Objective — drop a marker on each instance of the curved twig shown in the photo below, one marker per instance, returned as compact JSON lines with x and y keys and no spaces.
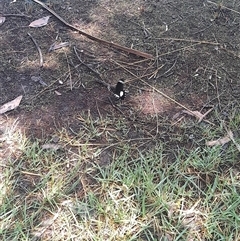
{"x":38,"y":49}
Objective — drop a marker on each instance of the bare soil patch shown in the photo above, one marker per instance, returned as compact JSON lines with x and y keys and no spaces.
{"x":195,"y":44}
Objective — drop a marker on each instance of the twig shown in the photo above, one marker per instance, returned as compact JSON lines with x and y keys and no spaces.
{"x":108,"y":145}
{"x":154,"y":74}
{"x":178,"y":50}
{"x":31,"y":174}
{"x":230,"y":9}
{"x":38,"y":49}
{"x":111,"y":44}
{"x":189,"y":40}
{"x":199,"y":115}
{"x":100,"y":79}
{"x":154,"y":107}
{"x":135,"y":63}
{"x":137,"y":77}
{"x":70,"y":75}
{"x":43,"y":229}
{"x":114,"y":106}
{"x":160,"y":92}
{"x":14,"y":15}
{"x":169,"y":69}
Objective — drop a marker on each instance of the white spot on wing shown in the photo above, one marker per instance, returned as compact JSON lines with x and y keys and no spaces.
{"x":121,"y":93}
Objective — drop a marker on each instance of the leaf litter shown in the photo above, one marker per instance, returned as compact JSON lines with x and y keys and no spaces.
{"x":11,"y":105}
{"x":40,"y":22}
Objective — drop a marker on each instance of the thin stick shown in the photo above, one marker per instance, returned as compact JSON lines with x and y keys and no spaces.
{"x":134,"y":63}
{"x":38,"y":49}
{"x":69,"y":70}
{"x":100,"y":79}
{"x":230,"y":9}
{"x":136,"y":78}
{"x":108,"y":145}
{"x":14,"y":15}
{"x":167,"y":71}
{"x":154,"y":74}
{"x":189,"y":40}
{"x":160,"y":92}
{"x":178,"y":50}
{"x":114,"y":106}
{"x":111,"y":44}
{"x":31,"y":174}
{"x":154,"y":107}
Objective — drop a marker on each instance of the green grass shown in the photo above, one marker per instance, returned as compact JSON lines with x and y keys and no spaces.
{"x":141,"y":194}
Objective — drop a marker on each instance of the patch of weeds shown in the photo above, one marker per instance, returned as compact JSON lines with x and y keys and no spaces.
{"x":142,"y":188}
{"x":204,"y":160}
{"x":223,"y":204}
{"x":34,"y":186}
{"x":138,"y":196}
{"x":161,"y":200}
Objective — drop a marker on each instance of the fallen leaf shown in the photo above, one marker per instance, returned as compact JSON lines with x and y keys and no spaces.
{"x":10,"y":105}
{"x":53,"y":147}
{"x":224,"y":140}
{"x":39,"y":22}
{"x":57,"y":93}
{"x":2,"y":20}
{"x":219,"y":142}
{"x":36,"y":78}
{"x":39,"y":79}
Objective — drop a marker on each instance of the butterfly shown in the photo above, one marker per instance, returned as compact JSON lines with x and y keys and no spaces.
{"x":119,"y":91}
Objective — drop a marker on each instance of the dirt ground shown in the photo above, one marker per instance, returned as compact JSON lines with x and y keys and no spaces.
{"x":196,"y":62}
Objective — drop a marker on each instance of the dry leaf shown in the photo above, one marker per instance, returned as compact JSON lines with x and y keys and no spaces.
{"x":56,"y":46}
{"x":2,"y":20}
{"x":39,"y":22}
{"x":36,"y":78}
{"x":39,"y":79}
{"x":53,"y":147}
{"x":10,"y":105}
{"x":57,"y":93}
{"x":224,"y":140}
{"x":219,"y":142}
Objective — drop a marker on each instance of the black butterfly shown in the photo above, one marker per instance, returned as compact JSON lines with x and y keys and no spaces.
{"x":119,"y":91}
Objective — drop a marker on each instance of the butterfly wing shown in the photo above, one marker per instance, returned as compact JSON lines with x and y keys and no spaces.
{"x":119,"y":90}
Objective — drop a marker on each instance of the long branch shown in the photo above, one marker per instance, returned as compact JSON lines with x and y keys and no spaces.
{"x":111,"y":44}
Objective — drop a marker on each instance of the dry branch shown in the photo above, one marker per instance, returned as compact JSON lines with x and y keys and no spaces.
{"x":110,"y":44}
{"x":38,"y":49}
